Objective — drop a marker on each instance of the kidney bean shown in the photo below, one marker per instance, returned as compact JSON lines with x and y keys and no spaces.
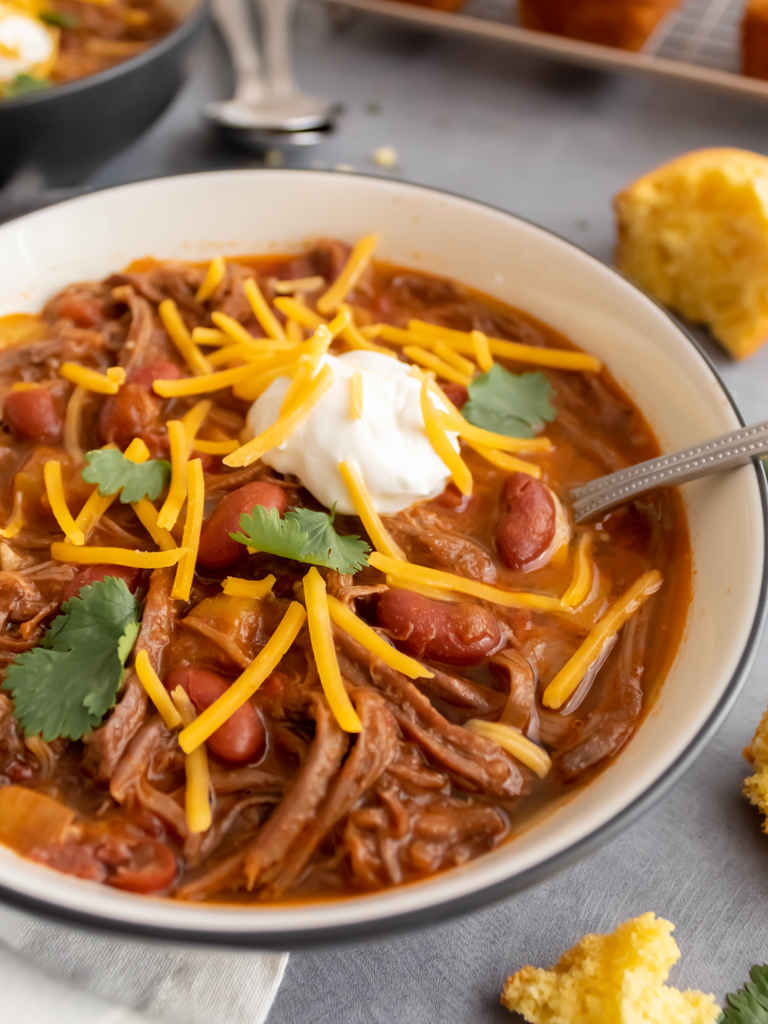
{"x":150,"y":865}
{"x":217,"y":550}
{"x":128,"y":414}
{"x":242,"y":737}
{"x":32,"y":415}
{"x":528,"y":524}
{"x":147,"y":375}
{"x":458,"y":634}
{"x":97,"y":573}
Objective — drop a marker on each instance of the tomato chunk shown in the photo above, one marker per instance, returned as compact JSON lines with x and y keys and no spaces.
{"x":242,"y":737}
{"x":217,"y":550}
{"x":82,"y":310}
{"x":32,"y":415}
{"x":97,"y":573}
{"x":150,"y":867}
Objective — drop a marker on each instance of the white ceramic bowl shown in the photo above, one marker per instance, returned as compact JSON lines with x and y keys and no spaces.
{"x":197,"y":217}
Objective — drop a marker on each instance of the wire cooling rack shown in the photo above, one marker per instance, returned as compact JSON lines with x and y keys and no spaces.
{"x":698,"y":43}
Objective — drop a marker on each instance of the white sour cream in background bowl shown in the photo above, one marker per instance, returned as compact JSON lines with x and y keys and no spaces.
{"x":388,"y":442}
{"x":26,"y":44}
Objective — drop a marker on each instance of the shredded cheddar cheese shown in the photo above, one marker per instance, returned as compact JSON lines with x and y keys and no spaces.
{"x":356,"y":396}
{"x":61,"y":551}
{"x":284,"y":425}
{"x":54,"y":488}
{"x":209,"y":336}
{"x":513,"y":741}
{"x":469,"y":432}
{"x":197,"y":796}
{"x":306,"y":367}
{"x":353,"y":270}
{"x":177,"y":492}
{"x":441,"y":368}
{"x":72,"y":421}
{"x":354,"y":337}
{"x":440,"y":441}
{"x":555,"y":357}
{"x":321,"y":637}
{"x":583,"y":574}
{"x":269,"y":322}
{"x":298,"y":284}
{"x":395,"y":335}
{"x":482,"y":350}
{"x":450,"y":356}
{"x":235,"y":587}
{"x":249,"y":390}
{"x":16,"y":523}
{"x":182,"y":339}
{"x":236,"y":353}
{"x":503,"y":461}
{"x":156,"y":692}
{"x":91,"y":380}
{"x":214,"y":275}
{"x":346,"y":619}
{"x":367,"y":513}
{"x":294,"y":332}
{"x":147,"y":515}
{"x":195,"y":418}
{"x":203,"y":384}
{"x":190,"y":540}
{"x":215,"y":447}
{"x":300,"y":312}
{"x":405,"y":572}
{"x":569,"y":677}
{"x":247,"y":683}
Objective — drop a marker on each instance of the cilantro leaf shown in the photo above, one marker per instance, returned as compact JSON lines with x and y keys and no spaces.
{"x":110,"y":469}
{"x":750,"y":1004}
{"x":21,"y":85}
{"x":516,"y":405}
{"x":59,"y":19}
{"x":304,"y":536}
{"x":67,"y":685}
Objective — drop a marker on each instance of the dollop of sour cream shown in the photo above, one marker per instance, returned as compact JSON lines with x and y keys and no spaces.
{"x":388,"y":442}
{"x":25,"y":43}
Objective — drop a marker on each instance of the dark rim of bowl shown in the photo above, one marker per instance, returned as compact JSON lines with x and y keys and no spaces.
{"x":187,"y":26}
{"x":379,"y":927}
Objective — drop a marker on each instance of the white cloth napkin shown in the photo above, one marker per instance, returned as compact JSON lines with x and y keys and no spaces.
{"x":168,"y":984}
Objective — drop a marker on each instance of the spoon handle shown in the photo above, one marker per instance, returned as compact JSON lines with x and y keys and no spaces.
{"x":726,"y":452}
{"x":276,"y":18}
{"x":232,"y":19}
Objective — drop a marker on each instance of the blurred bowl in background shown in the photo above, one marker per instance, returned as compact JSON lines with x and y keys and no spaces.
{"x":64,"y":133}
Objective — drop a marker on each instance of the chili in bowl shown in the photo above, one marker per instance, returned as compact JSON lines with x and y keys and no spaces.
{"x":296,"y":619}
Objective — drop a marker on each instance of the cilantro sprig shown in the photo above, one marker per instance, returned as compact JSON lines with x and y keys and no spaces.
{"x":516,"y":405}
{"x":110,"y":469}
{"x":60,"y":19}
{"x":750,"y":1004}
{"x":304,"y":536}
{"x":65,"y":686}
{"x":22,"y":85}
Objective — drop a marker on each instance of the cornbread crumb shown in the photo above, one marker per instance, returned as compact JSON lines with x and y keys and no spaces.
{"x":385,"y":156}
{"x":694,"y":234}
{"x":611,"y":979}
{"x":756,"y":786}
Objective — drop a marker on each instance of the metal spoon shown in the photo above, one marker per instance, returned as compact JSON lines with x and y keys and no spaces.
{"x":268,"y":102}
{"x":726,"y":452}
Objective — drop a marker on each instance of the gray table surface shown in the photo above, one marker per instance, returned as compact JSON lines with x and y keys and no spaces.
{"x":552,"y":144}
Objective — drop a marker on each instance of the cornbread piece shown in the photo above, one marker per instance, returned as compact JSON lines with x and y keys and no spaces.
{"x":626,"y":24}
{"x":754,"y":39}
{"x":756,"y":786}
{"x":694,"y":234}
{"x":611,"y":979}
